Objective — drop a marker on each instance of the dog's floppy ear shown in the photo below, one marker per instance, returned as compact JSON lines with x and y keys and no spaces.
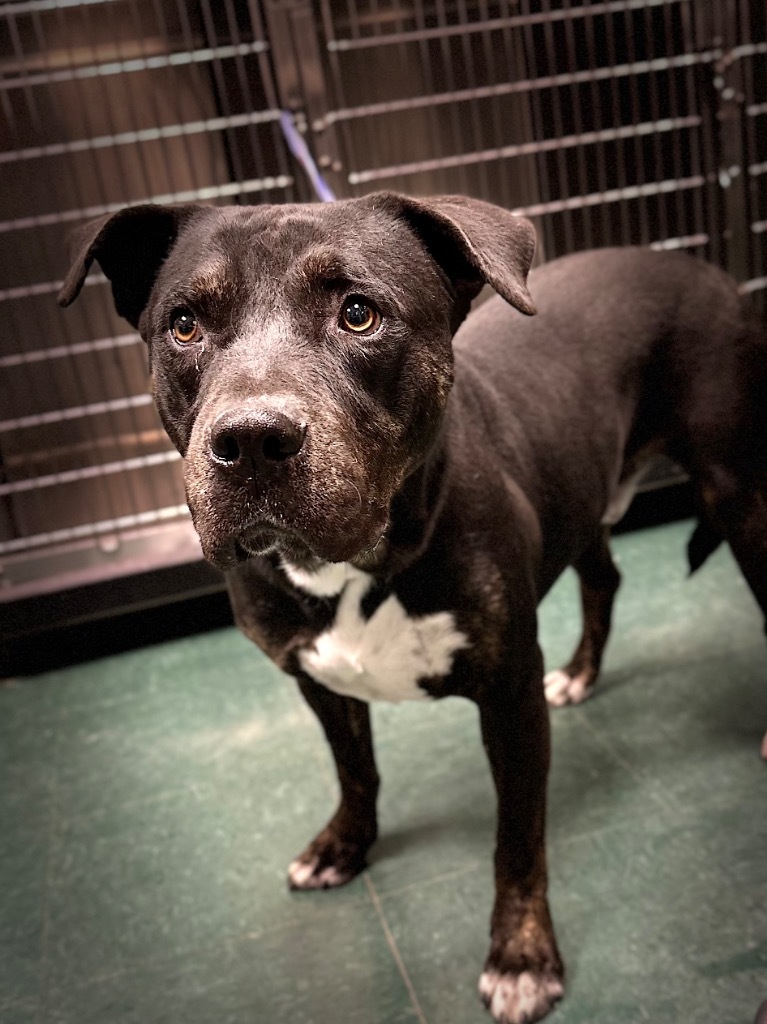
{"x":473,"y":241}
{"x":130,"y":246}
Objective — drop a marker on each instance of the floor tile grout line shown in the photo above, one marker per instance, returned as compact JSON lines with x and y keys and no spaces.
{"x":172,"y":793}
{"x":555,"y":847}
{"x":421,"y":883}
{"x":394,"y":949}
{"x":14,"y":1004}
{"x":56,"y":822}
{"x":388,"y":935}
{"x":53,"y":825}
{"x":91,"y":817}
{"x":124,"y":699}
{"x":233,"y":939}
{"x":561,"y":845}
{"x":669,"y":806}
{"x":140,"y":965}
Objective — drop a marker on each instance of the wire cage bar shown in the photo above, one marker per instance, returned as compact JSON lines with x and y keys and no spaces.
{"x":608,"y":122}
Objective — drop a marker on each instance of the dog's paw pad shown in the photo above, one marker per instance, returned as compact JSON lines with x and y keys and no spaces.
{"x":562,"y":688}
{"x":308,"y":874}
{"x":519,"y":998}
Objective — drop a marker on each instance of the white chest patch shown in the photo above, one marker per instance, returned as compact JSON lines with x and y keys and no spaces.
{"x":380,"y":658}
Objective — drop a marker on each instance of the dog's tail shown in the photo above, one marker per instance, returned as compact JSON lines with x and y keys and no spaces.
{"x":704,"y":542}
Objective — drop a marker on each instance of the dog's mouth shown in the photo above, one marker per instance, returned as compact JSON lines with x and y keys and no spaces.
{"x":364,"y":550}
{"x":263,"y":540}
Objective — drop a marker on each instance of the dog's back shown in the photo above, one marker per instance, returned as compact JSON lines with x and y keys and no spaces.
{"x":663,"y":333}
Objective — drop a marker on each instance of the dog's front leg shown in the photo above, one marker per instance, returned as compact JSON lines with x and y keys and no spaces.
{"x":522,"y":979}
{"x":338,"y":852}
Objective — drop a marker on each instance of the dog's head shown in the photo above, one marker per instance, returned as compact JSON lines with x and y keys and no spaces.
{"x":301,"y":355}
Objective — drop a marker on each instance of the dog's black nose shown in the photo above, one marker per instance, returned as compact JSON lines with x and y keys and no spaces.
{"x":258,"y":437}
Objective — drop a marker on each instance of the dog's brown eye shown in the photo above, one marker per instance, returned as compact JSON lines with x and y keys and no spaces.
{"x":359,"y":317}
{"x":185,"y":327}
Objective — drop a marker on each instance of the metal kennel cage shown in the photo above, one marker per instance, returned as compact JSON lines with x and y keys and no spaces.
{"x":607,"y":122}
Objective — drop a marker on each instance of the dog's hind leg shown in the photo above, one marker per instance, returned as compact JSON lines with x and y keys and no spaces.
{"x":747,"y":538}
{"x":739,"y":512}
{"x":737,"y":507}
{"x":599,"y":581}
{"x":338,"y":852}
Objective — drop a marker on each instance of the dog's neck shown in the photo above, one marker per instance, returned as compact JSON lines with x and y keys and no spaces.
{"x":414,"y":512}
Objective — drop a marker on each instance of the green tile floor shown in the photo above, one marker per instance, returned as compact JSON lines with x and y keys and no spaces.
{"x":149,"y":805}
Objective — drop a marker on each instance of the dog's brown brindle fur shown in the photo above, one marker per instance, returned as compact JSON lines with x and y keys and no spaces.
{"x":464,"y":477}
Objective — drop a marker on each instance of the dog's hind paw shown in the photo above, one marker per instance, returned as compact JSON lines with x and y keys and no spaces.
{"x":519,"y":998}
{"x":562,"y":688}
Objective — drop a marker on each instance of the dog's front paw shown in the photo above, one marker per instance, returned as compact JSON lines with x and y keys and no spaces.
{"x":562,"y":688}
{"x":519,"y":998}
{"x":327,"y":862}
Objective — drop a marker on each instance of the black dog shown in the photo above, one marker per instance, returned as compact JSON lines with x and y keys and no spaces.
{"x":391,"y":504}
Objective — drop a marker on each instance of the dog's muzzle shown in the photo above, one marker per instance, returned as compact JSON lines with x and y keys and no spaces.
{"x":249,"y":444}
{"x":260,"y":479}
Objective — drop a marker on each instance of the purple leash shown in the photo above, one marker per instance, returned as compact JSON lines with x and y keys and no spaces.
{"x":300,"y":151}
